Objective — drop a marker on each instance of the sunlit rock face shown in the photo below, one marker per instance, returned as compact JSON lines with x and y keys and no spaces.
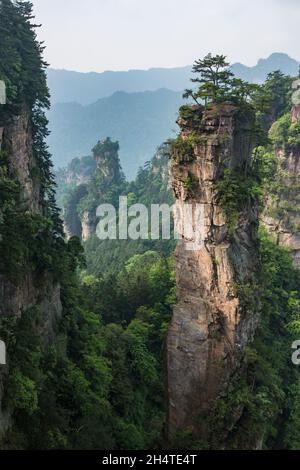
{"x":210,"y":326}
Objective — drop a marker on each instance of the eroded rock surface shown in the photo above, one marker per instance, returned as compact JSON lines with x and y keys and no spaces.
{"x":281,"y":216}
{"x":210,"y":326}
{"x":16,"y":298}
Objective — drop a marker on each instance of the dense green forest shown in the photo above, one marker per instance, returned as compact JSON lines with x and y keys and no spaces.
{"x":268,"y":383}
{"x":101,"y":383}
{"x":105,"y":185}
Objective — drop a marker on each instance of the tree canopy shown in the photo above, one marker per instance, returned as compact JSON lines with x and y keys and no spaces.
{"x":216,"y":82}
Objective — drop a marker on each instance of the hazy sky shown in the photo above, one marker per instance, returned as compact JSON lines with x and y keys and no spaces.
{"x":98,"y":35}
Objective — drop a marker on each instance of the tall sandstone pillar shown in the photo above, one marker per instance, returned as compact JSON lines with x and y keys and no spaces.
{"x":210,"y":326}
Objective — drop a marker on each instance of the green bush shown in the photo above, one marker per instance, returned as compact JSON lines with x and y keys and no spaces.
{"x":182,"y":149}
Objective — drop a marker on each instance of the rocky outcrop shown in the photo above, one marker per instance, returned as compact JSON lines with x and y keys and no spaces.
{"x":107,"y":160}
{"x":211,"y":324}
{"x":16,"y":140}
{"x":296,"y":113}
{"x":101,"y":177}
{"x":16,"y":298}
{"x":281,"y":216}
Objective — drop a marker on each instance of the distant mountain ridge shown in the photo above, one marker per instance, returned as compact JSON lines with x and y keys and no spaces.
{"x":139,"y":121}
{"x":258,"y":73}
{"x":89,"y":107}
{"x":86,"y":88}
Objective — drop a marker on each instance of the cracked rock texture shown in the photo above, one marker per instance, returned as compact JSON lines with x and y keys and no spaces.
{"x":281,"y":217}
{"x":210,"y":326}
{"x":16,"y":299}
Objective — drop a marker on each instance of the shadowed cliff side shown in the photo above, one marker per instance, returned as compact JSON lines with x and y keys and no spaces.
{"x":281,"y":216}
{"x":18,"y":163}
{"x":31,"y":237}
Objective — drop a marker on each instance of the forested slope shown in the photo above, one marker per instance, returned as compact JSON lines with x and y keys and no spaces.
{"x":84,"y":353}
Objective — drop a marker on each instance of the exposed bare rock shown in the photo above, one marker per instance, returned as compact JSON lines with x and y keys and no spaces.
{"x":296,"y":113}
{"x":86,"y":226}
{"x":73,"y":225}
{"x":107,"y":159}
{"x":210,"y":326}
{"x":281,"y":216}
{"x":16,"y":298}
{"x":17,"y":142}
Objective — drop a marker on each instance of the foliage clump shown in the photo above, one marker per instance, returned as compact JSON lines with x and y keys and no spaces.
{"x":105,"y":148}
{"x":236,"y":192}
{"x":190,"y":185}
{"x":183,"y":149}
{"x":285,"y":134}
{"x":216,"y":82}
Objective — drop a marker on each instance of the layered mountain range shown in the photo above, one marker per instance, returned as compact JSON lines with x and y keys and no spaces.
{"x":138,"y":108}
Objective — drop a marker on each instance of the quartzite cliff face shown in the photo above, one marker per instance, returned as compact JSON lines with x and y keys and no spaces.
{"x":42,"y":293}
{"x":210,"y":326}
{"x":281,"y":216}
{"x":16,"y":142}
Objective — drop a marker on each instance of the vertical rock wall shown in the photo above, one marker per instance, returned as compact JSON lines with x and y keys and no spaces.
{"x":281,"y":216}
{"x":210,"y":326}
{"x":16,"y":299}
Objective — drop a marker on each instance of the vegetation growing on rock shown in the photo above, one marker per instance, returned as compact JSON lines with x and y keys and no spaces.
{"x":97,"y":380}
